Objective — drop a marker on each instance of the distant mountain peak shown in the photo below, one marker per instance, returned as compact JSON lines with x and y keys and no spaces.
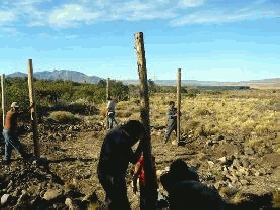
{"x":66,"y":75}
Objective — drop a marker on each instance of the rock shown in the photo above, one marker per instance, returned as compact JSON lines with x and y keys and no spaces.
{"x":249,"y":151}
{"x":92,"y":198}
{"x":236,"y":163}
{"x":245,"y":163}
{"x":244,"y":182}
{"x":10,"y":184}
{"x":211,"y":163}
{"x":262,"y":171}
{"x":68,"y":202}
{"x":52,"y":194}
{"x":223,"y":160}
{"x":23,"y":198}
{"x":174,"y":143}
{"x":5,"y":199}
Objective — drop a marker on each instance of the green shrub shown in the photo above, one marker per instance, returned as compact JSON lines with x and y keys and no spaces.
{"x":62,"y":116}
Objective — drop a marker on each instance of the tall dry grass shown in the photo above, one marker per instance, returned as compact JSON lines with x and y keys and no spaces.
{"x":249,"y":113}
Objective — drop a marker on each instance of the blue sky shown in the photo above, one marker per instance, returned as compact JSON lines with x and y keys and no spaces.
{"x":210,"y":40}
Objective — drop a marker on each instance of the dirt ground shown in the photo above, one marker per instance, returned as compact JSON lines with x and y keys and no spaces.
{"x":73,"y":161}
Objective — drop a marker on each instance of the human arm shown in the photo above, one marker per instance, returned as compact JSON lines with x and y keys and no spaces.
{"x":172,"y":114}
{"x":136,"y":174}
{"x":134,"y":156}
{"x":32,"y":105}
{"x":28,"y":109}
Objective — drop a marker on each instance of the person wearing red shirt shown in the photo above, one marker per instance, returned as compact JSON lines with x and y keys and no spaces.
{"x":11,"y":136}
{"x":139,"y":174}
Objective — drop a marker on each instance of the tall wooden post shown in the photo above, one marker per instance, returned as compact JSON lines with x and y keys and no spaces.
{"x":3,"y":96}
{"x":33,"y":110}
{"x":107,"y":88}
{"x":179,"y":106}
{"x":151,"y":182}
{"x":107,"y":95}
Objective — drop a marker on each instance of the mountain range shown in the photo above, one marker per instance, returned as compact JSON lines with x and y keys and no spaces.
{"x":64,"y":75}
{"x":79,"y":77}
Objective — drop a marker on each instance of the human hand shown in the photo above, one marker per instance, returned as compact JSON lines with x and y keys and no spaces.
{"x":32,"y":105}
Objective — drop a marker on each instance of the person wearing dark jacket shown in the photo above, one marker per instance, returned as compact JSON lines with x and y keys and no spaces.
{"x":115,"y":155}
{"x":172,"y":121}
{"x":185,"y":191}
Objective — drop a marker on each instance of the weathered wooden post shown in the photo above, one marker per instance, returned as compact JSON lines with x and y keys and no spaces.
{"x":33,"y":110}
{"x":179,"y":106}
{"x":107,"y":88}
{"x":107,"y":95}
{"x":3,"y":96}
{"x":151,"y":182}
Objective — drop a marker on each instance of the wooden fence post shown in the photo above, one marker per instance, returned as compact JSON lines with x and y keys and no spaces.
{"x":3,"y":96}
{"x":151,"y":182}
{"x":33,"y":110}
{"x":179,"y":106}
{"x":107,"y":95}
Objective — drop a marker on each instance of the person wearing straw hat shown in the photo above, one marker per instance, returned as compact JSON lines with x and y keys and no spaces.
{"x":10,"y":134}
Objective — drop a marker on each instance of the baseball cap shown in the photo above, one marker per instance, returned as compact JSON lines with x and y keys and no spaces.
{"x":14,"y":104}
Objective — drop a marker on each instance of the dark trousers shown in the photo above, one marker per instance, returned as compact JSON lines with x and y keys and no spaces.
{"x":111,"y":120}
{"x":172,"y":126}
{"x":116,"y":192}
{"x":12,"y":142}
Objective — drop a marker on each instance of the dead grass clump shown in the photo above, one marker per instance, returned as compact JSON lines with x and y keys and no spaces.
{"x":62,"y":116}
{"x":124,"y":114}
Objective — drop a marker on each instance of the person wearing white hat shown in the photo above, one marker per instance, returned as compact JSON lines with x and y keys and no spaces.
{"x":10,"y":135}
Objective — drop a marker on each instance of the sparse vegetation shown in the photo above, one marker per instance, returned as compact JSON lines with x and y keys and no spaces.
{"x":214,"y":123}
{"x":62,"y":116}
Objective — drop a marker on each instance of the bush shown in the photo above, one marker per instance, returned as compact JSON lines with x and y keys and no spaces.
{"x":62,"y":116}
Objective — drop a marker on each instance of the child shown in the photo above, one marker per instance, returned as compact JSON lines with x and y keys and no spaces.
{"x":139,"y":174}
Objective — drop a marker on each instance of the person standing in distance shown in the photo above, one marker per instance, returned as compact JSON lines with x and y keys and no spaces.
{"x":110,"y":112}
{"x":115,"y":155}
{"x":10,"y":134}
{"x":172,"y":121}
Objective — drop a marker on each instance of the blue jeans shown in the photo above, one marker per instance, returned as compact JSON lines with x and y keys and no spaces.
{"x":12,"y":142}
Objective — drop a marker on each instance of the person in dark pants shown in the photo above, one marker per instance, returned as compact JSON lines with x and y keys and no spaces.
{"x":185,"y":191}
{"x":10,"y":134}
{"x":172,"y":121}
{"x":115,"y":155}
{"x":111,"y":111}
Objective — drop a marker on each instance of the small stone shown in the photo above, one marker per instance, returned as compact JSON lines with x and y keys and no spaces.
{"x":5,"y":198}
